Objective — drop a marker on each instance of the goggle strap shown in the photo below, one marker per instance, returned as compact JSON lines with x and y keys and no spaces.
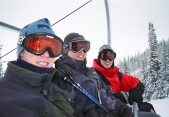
{"x":65,"y":45}
{"x":78,"y":39}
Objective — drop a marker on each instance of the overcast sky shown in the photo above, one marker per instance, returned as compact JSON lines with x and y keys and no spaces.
{"x":129,"y":22}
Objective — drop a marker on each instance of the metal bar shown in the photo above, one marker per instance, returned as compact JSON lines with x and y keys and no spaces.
{"x":108,"y":23}
{"x":9,"y":26}
{"x":135,"y":109}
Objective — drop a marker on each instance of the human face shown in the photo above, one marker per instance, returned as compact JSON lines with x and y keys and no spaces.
{"x":78,"y":55}
{"x":43,"y":60}
{"x":106,"y":63}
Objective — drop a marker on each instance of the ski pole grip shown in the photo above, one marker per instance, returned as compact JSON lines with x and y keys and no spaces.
{"x":135,"y":109}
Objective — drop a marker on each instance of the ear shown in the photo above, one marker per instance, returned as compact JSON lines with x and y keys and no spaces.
{"x":21,"y":54}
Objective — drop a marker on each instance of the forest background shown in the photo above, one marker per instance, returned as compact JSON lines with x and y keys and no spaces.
{"x":151,"y":67}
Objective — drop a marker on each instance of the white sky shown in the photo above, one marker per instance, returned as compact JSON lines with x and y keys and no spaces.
{"x":129,"y":22}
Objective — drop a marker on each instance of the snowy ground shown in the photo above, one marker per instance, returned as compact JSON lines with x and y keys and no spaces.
{"x":161,"y":107}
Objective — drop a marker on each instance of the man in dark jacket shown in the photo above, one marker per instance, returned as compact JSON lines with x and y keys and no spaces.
{"x":26,"y":89}
{"x":73,"y":59}
{"x":75,"y":49}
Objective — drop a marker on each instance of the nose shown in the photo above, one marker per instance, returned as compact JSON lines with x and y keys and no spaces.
{"x":45,"y":54}
{"x":108,"y":59}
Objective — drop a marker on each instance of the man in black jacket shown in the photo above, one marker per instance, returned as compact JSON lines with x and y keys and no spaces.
{"x":26,"y":89}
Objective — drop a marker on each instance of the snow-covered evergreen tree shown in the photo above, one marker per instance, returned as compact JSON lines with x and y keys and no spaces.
{"x":125,"y":67}
{"x":153,"y":87}
{"x":164,"y":70}
{"x":167,"y":61}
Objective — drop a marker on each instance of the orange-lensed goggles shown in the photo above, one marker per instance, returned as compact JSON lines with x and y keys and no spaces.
{"x":77,"y":46}
{"x":39,"y":43}
{"x":107,"y":55}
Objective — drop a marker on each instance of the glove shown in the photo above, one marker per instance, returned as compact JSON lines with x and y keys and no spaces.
{"x":125,"y":111}
{"x":120,"y":97}
{"x":135,"y":95}
{"x":89,"y":111}
{"x":146,"y":107}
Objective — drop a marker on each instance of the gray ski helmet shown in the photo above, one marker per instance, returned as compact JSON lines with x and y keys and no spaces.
{"x":39,"y":26}
{"x":106,"y":47}
{"x":69,"y":38}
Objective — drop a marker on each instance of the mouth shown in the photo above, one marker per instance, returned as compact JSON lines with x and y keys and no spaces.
{"x":81,"y":56}
{"x":42,"y":63}
{"x":107,"y":63}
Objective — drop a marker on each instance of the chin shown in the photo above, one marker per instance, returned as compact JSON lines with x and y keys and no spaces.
{"x":107,"y":67}
{"x":80,"y":59}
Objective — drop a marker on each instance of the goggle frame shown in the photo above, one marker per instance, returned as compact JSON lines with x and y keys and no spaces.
{"x":69,"y":45}
{"x":23,"y":40}
{"x":107,"y":55}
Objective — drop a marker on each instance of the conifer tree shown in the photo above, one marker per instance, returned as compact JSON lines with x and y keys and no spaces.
{"x":125,"y":67}
{"x":153,"y":87}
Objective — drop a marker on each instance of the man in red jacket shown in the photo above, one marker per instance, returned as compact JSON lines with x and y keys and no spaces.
{"x":109,"y":73}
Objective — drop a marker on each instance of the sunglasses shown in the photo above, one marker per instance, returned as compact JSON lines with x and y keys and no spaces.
{"x":39,"y":43}
{"x":77,"y":46}
{"x":107,"y":55}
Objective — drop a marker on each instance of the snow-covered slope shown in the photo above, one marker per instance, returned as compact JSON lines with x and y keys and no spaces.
{"x":161,"y":106}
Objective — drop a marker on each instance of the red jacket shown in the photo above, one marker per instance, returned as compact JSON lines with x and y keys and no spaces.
{"x":127,"y":82}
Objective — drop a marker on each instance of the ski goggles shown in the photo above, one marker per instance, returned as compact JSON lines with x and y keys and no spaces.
{"x":39,"y":43}
{"x":107,"y":55}
{"x":77,"y":46}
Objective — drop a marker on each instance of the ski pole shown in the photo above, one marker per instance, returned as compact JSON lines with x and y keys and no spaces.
{"x":78,"y":87}
{"x":65,"y":75}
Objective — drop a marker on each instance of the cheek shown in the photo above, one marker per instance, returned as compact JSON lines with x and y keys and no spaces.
{"x":51,"y":63}
{"x":33,"y":57}
{"x":30,"y":57}
{"x":85,"y":55}
{"x":52,"y":60}
{"x":102,"y":62}
{"x":71,"y":54}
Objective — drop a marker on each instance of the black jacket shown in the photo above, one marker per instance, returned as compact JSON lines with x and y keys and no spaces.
{"x":21,"y":95}
{"x":89,"y":80}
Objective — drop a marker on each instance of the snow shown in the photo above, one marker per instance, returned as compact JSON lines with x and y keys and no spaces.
{"x":161,"y":106}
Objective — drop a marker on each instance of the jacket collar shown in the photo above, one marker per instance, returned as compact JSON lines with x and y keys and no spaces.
{"x":75,"y":64}
{"x":104,"y":71}
{"x":16,"y":74}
